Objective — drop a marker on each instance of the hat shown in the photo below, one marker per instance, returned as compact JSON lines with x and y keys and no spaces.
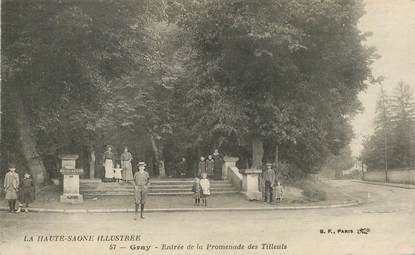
{"x":26,"y":175}
{"x":141,"y":163}
{"x":12,"y":165}
{"x":268,"y":164}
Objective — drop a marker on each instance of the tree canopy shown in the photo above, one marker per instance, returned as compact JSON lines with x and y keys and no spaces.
{"x":178,"y":76}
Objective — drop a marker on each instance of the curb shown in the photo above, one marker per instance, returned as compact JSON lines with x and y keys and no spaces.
{"x":172,"y":210}
{"x":393,"y":185}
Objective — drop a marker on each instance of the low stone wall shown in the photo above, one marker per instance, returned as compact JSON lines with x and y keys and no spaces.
{"x":404,"y":176}
{"x":235,"y":177}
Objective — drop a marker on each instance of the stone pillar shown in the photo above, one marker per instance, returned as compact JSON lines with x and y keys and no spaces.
{"x":250,"y":186}
{"x":227,"y":163}
{"x":70,"y":180}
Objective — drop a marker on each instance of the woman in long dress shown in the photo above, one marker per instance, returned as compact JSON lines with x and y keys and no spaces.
{"x":210,"y":165}
{"x":217,"y":170}
{"x":202,"y":167}
{"x":127,"y":169}
{"x":109,"y":164}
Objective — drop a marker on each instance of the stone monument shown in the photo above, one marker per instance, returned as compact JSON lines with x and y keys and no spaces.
{"x":250,"y":183}
{"x":228,"y":162}
{"x":70,"y":180}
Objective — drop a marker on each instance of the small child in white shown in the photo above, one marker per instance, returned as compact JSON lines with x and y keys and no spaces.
{"x":117,"y":173}
{"x":205,"y":186}
{"x":279,"y":192}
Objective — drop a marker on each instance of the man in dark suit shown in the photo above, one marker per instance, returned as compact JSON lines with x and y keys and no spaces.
{"x":269,"y":181}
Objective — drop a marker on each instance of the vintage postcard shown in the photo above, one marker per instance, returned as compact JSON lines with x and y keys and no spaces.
{"x":207,"y":127}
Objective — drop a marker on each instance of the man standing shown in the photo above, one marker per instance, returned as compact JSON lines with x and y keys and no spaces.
{"x":141,"y":181}
{"x":269,"y":181}
{"x":11,"y":187}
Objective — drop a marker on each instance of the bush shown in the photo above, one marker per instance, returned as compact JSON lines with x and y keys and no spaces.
{"x":288,"y":173}
{"x":356,"y":174}
{"x":312,"y":190}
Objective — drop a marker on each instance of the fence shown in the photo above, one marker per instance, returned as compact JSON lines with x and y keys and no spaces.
{"x":404,"y":176}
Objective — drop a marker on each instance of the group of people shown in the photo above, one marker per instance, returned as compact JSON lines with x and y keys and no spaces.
{"x":119,"y":173}
{"x":201,"y":189}
{"x":212,"y":166}
{"x":18,"y":191}
{"x":207,"y":168}
{"x":271,"y":186}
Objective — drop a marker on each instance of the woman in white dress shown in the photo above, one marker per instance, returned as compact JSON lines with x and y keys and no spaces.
{"x":109,"y":164}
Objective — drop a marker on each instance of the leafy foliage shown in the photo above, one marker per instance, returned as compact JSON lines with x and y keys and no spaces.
{"x":186,"y":75}
{"x":286,"y":71}
{"x":395,"y":131}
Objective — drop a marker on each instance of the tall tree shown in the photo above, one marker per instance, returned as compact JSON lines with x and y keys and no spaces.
{"x":402,"y":121}
{"x":286,"y":71}
{"x":391,"y":144}
{"x":61,"y":62}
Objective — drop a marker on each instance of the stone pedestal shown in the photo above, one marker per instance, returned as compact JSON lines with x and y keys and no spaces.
{"x":250,"y":187}
{"x":70,"y":180}
{"x":227,"y":163}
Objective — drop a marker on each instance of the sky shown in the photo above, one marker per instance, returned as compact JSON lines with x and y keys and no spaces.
{"x":392,"y":23}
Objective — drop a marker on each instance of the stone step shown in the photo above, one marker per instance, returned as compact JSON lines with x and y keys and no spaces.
{"x":188,"y":185}
{"x":152,"y":186}
{"x":164,"y":189}
{"x":87,"y":182}
{"x":188,"y":190}
{"x":111,"y":193}
{"x":158,"y":187}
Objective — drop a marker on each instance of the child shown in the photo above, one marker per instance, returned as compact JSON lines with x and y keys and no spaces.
{"x":27,"y":190}
{"x":205,"y":188}
{"x":279,"y":192}
{"x":117,"y":173}
{"x":196,"y":191}
{"x":11,"y":187}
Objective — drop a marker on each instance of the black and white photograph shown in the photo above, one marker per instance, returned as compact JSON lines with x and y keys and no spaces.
{"x":176,"y":127}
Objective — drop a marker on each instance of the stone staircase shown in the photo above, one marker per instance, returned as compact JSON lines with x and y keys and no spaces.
{"x":158,"y":187}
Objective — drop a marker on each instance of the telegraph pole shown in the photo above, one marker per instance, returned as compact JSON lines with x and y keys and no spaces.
{"x":385,"y":131}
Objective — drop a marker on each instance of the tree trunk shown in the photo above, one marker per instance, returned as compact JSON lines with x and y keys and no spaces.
{"x":27,"y":142}
{"x":159,"y":156}
{"x":92,"y":163}
{"x":257,"y":153}
{"x":277,"y":159}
